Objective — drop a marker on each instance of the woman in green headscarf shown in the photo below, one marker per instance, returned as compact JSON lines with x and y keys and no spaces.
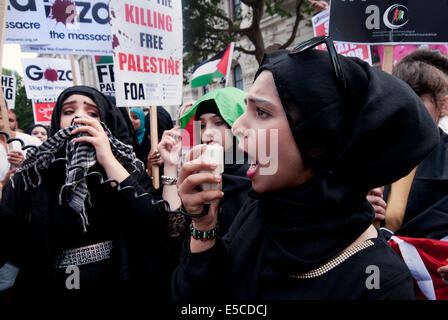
{"x":216,"y":111}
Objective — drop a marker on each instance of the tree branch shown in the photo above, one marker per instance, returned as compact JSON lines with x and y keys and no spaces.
{"x":241,"y":49}
{"x":295,"y":26}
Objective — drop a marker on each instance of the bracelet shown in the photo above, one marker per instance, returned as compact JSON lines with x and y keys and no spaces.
{"x":203,"y":235}
{"x":191,"y":215}
{"x":168,"y":180}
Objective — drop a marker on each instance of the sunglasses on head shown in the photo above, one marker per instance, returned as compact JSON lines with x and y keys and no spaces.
{"x":335,"y":62}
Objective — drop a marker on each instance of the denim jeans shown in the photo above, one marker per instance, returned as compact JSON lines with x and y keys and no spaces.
{"x":8,"y":274}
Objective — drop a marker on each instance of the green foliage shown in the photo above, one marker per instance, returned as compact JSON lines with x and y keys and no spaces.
{"x":208,"y":28}
{"x":23,"y":108}
{"x":275,"y":7}
{"x":200,"y":17}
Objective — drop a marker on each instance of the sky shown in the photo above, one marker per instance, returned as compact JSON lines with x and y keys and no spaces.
{"x":12,"y":56}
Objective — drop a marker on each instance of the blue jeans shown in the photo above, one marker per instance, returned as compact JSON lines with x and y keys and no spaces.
{"x":8,"y":274}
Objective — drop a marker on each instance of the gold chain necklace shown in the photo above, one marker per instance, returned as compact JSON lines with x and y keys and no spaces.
{"x":335,"y":261}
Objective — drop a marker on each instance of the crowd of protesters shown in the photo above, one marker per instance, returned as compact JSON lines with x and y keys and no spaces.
{"x":321,"y":167}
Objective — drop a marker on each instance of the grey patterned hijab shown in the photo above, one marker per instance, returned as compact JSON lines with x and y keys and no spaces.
{"x":79,"y":157}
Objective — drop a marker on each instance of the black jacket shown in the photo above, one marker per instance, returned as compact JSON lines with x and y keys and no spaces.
{"x":236,"y":268}
{"x":35,"y":229}
{"x":426,"y":213}
{"x":236,"y":186}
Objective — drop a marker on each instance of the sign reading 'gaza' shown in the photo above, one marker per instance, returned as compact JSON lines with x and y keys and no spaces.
{"x":47,"y":77}
{"x":26,"y":22}
{"x":389,"y":22}
{"x":76,"y":27}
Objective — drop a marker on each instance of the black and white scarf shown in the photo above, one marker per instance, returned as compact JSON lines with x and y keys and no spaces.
{"x":80,"y":157}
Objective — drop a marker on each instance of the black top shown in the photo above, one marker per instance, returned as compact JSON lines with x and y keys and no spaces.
{"x":237,"y":268}
{"x":426,"y":213}
{"x":35,"y":229}
{"x":236,"y":186}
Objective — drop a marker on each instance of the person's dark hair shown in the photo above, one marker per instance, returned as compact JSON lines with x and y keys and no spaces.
{"x":431,"y":57}
{"x":30,"y":129}
{"x":423,"y":78}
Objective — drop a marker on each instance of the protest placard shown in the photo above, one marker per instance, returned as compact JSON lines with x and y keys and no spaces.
{"x":321,"y":22}
{"x":26,"y":23}
{"x":389,"y":22}
{"x":3,"y":107}
{"x":76,"y":27}
{"x":9,"y":90}
{"x":104,"y":74}
{"x":42,"y":110}
{"x":47,"y":77}
{"x":147,"y":50}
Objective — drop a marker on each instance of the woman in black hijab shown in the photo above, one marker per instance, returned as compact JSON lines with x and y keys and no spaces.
{"x":78,"y":201}
{"x":306,"y":232}
{"x":164,"y":122}
{"x":422,"y":211}
{"x":39,"y":131}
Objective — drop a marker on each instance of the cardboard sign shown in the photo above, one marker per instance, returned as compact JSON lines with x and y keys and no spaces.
{"x":9,"y":90}
{"x":321,"y":24}
{"x":147,"y":50}
{"x":25,"y":22}
{"x":104,"y":74}
{"x":42,"y":110}
{"x":389,"y":22}
{"x":47,"y":77}
{"x":76,"y":27}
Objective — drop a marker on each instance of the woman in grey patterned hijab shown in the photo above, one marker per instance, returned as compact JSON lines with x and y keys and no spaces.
{"x":83,"y":199}
{"x":79,"y":114}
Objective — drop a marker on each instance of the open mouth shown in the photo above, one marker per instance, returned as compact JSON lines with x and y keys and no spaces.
{"x":253,"y":163}
{"x":210,"y":142}
{"x":252,"y":170}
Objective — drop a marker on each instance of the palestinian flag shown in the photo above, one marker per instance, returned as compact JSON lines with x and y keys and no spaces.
{"x":216,"y":67}
{"x":423,"y":257}
{"x":104,"y":59}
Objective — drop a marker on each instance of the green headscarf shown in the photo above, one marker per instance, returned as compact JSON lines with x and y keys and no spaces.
{"x":230,"y":102}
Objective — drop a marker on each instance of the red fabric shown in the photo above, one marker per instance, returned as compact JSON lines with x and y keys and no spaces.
{"x":188,"y":137}
{"x":222,"y":65}
{"x":433,"y":254}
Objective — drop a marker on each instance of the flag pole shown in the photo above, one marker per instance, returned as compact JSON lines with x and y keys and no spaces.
{"x":388,"y":59}
{"x":154,"y":143}
{"x":4,"y":109}
{"x":388,"y":64}
{"x":229,"y":64}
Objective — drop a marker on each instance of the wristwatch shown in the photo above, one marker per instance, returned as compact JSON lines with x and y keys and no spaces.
{"x":168,"y":180}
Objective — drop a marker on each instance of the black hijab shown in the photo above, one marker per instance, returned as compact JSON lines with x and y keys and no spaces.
{"x":115,"y":119}
{"x":379,"y":135}
{"x":30,"y":129}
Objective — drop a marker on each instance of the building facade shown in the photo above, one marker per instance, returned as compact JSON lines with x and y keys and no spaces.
{"x":276,"y":30}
